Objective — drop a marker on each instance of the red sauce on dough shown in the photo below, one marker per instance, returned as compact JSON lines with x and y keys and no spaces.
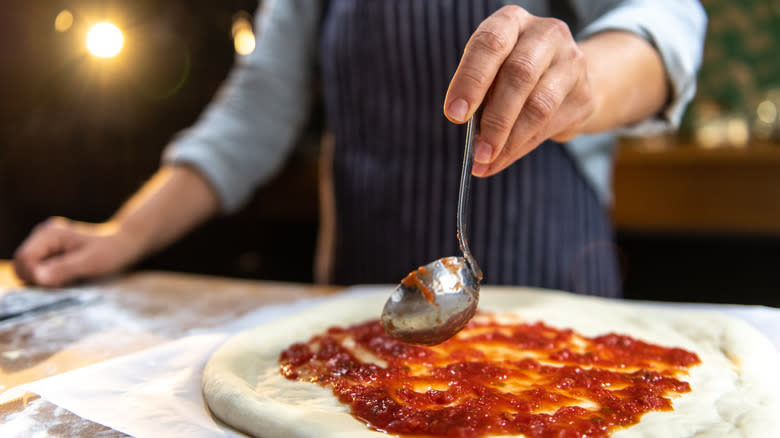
{"x":493,"y":378}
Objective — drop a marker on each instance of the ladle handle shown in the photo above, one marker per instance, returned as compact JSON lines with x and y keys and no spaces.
{"x":472,"y":130}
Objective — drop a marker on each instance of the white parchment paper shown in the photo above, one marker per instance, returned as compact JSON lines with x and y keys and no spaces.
{"x":157,"y":392}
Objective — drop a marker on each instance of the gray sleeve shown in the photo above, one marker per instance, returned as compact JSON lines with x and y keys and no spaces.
{"x":676,"y":28}
{"x":245,"y":134}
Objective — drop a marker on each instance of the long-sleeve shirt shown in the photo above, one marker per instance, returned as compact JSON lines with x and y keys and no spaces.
{"x":246,"y":133}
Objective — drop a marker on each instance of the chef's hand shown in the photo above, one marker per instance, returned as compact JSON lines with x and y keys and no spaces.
{"x":61,"y":251}
{"x":535,"y":78}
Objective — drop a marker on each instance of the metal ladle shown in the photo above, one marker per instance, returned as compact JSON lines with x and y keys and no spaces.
{"x":437,"y":300}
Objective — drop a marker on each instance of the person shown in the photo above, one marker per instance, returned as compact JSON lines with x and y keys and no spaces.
{"x":555,"y":80}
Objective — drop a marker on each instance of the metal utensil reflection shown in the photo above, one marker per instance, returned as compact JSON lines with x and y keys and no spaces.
{"x":437,"y":300}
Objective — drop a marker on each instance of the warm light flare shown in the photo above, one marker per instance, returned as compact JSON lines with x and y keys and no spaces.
{"x":243,"y":36}
{"x":737,"y":132}
{"x":64,"y":21}
{"x":104,"y":40}
{"x":244,"y":42}
{"x":767,"y":112}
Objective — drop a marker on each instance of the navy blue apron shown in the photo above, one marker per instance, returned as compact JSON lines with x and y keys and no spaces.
{"x":386,"y":65}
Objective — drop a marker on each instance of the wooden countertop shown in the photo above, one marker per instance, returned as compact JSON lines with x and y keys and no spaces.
{"x":666,"y":184}
{"x":131,"y":313}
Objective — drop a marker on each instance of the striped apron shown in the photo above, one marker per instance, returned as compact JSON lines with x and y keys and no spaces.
{"x":386,"y":65}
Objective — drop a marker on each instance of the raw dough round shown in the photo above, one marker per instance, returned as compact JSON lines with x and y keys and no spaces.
{"x":735,"y":390}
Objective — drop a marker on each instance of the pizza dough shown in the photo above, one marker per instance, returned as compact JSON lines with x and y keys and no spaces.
{"x":735,"y":390}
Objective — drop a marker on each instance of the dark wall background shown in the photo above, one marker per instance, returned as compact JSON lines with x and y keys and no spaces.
{"x":78,"y":136}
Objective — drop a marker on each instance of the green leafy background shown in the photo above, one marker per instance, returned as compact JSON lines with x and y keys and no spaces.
{"x":741,"y":57}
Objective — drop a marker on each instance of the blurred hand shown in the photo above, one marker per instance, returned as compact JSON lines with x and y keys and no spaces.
{"x":532,"y":77}
{"x":61,"y":251}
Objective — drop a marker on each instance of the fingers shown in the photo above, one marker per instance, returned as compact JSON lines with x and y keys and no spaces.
{"x":48,"y":239}
{"x":556,"y":106}
{"x":516,"y":79}
{"x":67,"y":268}
{"x":485,"y":52}
{"x":540,"y":91}
{"x":530,"y":77}
{"x":61,"y":251}
{"x":578,"y":106}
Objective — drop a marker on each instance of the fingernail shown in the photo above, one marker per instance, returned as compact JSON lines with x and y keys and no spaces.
{"x":479,"y":169}
{"x":458,"y":110}
{"x":483,"y":152}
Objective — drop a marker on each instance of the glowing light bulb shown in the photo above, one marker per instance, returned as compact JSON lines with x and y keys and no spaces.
{"x":104,"y":40}
{"x":64,"y":21}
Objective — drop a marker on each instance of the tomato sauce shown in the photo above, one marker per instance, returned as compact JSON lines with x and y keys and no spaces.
{"x":415,"y":280}
{"x":493,"y":378}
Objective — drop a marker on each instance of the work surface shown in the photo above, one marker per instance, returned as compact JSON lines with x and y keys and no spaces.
{"x":138,"y":311}
{"x":129,"y":314}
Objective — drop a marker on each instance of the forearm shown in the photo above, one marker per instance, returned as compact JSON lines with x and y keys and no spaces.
{"x":173,"y":202}
{"x":627,"y":78}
